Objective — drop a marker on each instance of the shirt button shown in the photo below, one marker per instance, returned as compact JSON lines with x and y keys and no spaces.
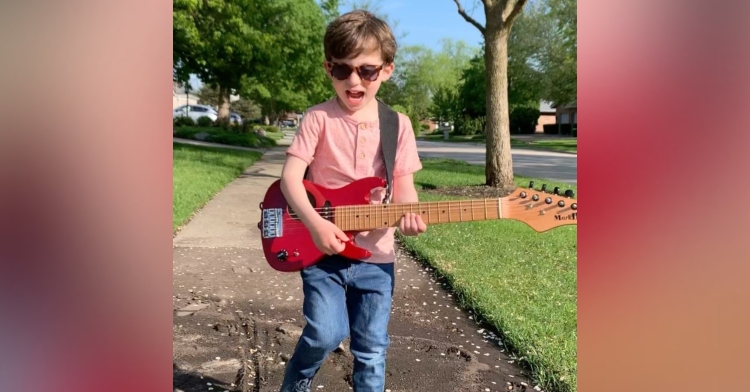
{"x":361,"y":140}
{"x":362,"y":155}
{"x":362,"y":126}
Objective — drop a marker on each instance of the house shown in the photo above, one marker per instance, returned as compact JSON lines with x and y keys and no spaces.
{"x":181,"y":97}
{"x":547,"y":115}
{"x":567,"y":118}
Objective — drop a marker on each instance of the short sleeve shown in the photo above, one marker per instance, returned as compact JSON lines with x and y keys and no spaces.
{"x":407,"y":157}
{"x":306,"y":139}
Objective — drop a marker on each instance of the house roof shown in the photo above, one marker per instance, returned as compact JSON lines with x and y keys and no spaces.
{"x":570,"y":105}
{"x":545,"y":106}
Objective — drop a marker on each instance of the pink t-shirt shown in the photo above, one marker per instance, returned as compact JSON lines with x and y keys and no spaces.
{"x":339,"y":150}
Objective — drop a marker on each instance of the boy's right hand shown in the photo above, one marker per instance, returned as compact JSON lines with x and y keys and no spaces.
{"x":328,"y":237}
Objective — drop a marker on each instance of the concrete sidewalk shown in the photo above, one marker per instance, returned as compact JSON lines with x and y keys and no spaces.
{"x":236,"y":320}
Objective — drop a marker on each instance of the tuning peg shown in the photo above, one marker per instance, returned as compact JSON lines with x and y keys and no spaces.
{"x":556,"y":190}
{"x":574,"y":206}
{"x":569,"y":193}
{"x":531,"y":184}
{"x":544,"y":187}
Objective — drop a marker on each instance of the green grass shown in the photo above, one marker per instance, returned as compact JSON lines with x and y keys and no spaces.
{"x":199,"y":173}
{"x":561,"y":145}
{"x":520,"y":281}
{"x":438,"y":137}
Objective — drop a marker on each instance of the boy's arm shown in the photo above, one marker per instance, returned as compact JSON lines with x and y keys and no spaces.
{"x":411,"y":224}
{"x":327,"y":237}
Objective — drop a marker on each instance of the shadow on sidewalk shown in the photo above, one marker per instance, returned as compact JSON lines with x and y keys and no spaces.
{"x":185,"y":381}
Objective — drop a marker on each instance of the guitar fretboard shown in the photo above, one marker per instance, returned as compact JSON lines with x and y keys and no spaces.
{"x":376,"y":216}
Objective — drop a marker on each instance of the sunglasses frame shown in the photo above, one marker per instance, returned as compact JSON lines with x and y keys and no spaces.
{"x":331,"y":64}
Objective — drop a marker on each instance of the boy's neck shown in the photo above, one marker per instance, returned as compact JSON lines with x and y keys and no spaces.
{"x":367,"y":113}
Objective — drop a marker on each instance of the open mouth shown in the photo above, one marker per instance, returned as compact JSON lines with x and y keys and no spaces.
{"x":355,"y":97}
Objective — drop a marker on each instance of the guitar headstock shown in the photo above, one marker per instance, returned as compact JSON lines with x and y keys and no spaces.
{"x":541,"y":209}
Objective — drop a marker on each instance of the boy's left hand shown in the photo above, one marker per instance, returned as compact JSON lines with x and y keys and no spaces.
{"x":411,"y":224}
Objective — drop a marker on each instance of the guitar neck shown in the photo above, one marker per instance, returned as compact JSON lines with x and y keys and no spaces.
{"x":376,"y":216}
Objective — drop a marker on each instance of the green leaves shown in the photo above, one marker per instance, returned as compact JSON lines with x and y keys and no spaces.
{"x":260,"y":49}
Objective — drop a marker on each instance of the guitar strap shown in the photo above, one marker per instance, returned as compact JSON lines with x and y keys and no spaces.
{"x":388,"y":142}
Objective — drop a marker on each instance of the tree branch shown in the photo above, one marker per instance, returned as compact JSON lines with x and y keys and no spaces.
{"x":468,"y":18}
{"x":512,"y":10}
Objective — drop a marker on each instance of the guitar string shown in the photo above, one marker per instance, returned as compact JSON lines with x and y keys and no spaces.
{"x":294,"y":225}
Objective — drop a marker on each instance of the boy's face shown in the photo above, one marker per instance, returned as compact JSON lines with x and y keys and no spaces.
{"x":356,"y":91}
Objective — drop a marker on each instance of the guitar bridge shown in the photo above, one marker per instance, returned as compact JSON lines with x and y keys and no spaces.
{"x":272,"y":224}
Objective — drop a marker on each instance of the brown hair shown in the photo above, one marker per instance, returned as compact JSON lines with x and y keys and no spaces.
{"x":358,"y":31}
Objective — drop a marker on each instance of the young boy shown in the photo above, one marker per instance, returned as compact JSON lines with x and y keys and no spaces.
{"x":340,"y":142}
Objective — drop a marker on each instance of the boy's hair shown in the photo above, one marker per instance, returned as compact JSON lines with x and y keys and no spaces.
{"x":358,"y":31}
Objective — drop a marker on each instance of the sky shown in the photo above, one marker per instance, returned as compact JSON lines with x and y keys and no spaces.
{"x":425,"y":22}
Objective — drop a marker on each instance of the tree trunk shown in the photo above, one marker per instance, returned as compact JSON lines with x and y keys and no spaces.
{"x":223,"y":103}
{"x":499,"y":161}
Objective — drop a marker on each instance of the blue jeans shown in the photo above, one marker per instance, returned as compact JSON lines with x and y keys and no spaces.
{"x":343,"y":297}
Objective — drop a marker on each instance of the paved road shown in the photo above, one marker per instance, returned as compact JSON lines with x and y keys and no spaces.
{"x":555,"y":166}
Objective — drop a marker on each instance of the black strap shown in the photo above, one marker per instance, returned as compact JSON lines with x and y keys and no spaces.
{"x":388,"y":142}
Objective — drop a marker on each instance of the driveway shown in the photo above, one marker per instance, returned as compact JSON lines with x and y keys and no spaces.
{"x":555,"y":166}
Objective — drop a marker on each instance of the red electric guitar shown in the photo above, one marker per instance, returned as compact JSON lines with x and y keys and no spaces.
{"x":288,"y":245}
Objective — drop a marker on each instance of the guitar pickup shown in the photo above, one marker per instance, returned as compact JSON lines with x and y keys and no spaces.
{"x":272,"y":225}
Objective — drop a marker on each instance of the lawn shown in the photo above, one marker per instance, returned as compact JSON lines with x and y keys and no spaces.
{"x":520,"y":281}
{"x":199,"y":173}
{"x":562,"y":145}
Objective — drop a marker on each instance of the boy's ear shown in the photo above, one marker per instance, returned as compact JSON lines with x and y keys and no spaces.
{"x":387,"y":71}
{"x":325,"y":68}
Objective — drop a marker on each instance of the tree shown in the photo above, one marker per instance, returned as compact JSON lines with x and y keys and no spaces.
{"x":330,"y":9}
{"x":500,"y":16}
{"x":558,"y":54}
{"x":225,"y":42}
{"x":208,"y":95}
{"x":297,"y":79}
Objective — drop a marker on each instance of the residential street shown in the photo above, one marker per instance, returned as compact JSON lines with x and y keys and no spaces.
{"x":556,"y":166}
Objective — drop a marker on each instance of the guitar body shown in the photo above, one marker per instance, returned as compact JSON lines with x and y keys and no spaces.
{"x":287,"y":244}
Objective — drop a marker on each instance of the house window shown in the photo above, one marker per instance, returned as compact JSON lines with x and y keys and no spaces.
{"x":563,"y":118}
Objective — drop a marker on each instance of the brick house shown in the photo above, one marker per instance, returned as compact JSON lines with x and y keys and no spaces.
{"x":547,"y":115}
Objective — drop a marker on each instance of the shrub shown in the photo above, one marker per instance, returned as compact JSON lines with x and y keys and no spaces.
{"x":470,"y":125}
{"x":183,"y":121}
{"x":271,"y":128}
{"x":205,"y":121}
{"x":425,"y":127}
{"x":523,"y":119}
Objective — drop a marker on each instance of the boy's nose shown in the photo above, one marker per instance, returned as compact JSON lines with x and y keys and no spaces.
{"x":354,"y":79}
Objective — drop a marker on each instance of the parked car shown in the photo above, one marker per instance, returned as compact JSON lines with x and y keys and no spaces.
{"x":195,"y":112}
{"x":235,"y":118}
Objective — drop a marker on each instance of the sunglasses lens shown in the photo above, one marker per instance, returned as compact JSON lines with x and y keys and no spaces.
{"x":340,"y":71}
{"x":368,"y":72}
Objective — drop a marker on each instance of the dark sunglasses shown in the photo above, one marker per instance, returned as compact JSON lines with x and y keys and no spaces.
{"x":365,"y":72}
